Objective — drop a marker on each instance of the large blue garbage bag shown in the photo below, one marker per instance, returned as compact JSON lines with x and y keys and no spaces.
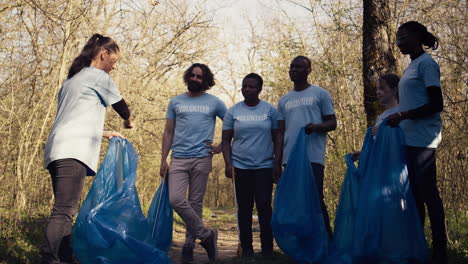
{"x":297,"y":222}
{"x":386,"y":227}
{"x":110,"y":226}
{"x":343,"y":239}
{"x":160,"y":218}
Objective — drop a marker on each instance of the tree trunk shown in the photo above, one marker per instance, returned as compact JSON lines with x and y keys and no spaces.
{"x":377,"y":52}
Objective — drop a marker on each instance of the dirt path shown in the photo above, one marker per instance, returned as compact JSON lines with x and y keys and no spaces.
{"x":225,"y":222}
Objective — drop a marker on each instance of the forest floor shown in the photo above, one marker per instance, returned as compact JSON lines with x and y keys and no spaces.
{"x":225,"y":221}
{"x":20,"y":240}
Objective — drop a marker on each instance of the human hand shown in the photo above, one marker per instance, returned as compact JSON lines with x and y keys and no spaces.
{"x":394,"y":119}
{"x":163,"y":168}
{"x":111,"y":134}
{"x":277,"y":173}
{"x":128,"y":123}
{"x":309,"y":128}
{"x":355,"y":155}
{"x":228,"y":171}
{"x":215,"y":149}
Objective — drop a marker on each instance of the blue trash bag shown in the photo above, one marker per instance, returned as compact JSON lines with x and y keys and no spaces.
{"x":343,"y":239}
{"x":297,"y":221}
{"x":342,"y":242}
{"x":110,"y":227}
{"x":160,"y":218}
{"x":382,"y":213}
{"x":388,"y":227}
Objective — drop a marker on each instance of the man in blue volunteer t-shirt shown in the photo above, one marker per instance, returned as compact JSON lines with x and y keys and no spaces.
{"x":311,"y":107}
{"x":190,"y":123}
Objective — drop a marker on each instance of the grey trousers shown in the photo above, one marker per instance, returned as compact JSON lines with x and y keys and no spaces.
{"x":68,"y":177}
{"x":189,"y":174}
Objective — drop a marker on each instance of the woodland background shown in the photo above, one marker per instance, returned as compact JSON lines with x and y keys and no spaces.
{"x":160,"y":39}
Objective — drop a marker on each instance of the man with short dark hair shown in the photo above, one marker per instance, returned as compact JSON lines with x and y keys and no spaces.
{"x":311,"y":107}
{"x":189,"y":130}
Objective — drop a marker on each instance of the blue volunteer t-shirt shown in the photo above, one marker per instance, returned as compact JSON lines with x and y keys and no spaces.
{"x":195,"y":119}
{"x":299,"y":109}
{"x":421,"y":73}
{"x":252,"y":145}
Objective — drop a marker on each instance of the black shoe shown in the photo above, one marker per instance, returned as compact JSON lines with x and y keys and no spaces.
{"x":439,"y":253}
{"x":440,"y":258}
{"x":187,"y":254}
{"x":210,"y":245}
{"x":268,"y":254}
{"x":247,"y":253}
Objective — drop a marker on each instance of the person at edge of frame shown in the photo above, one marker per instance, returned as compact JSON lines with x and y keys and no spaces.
{"x":421,"y":102}
{"x":72,"y":149}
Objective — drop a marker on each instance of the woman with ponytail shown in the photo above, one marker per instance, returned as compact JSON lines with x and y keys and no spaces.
{"x":421,"y":102}
{"x":73,"y":146}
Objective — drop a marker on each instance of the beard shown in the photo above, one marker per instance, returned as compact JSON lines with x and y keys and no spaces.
{"x":194,"y":86}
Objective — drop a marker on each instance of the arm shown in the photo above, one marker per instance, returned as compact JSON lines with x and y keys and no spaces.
{"x":435,"y":105}
{"x":166,"y":145}
{"x":227,"y":149}
{"x":110,"y":134}
{"x":122,"y":109}
{"x":329,"y":124}
{"x":216,"y":149}
{"x":277,"y":135}
{"x":281,"y":126}
{"x":355,"y":155}
{"x":221,"y":112}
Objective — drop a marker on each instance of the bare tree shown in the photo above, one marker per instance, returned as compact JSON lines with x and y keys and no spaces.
{"x":377,"y":51}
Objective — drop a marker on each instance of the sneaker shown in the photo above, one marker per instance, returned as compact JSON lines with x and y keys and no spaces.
{"x":187,"y":254}
{"x":210,"y":245}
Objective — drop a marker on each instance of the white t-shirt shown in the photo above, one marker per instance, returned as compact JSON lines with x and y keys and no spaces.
{"x":79,"y":123}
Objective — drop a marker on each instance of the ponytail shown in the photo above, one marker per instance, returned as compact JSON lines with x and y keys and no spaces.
{"x":430,"y":40}
{"x":92,"y":48}
{"x":426,"y":37}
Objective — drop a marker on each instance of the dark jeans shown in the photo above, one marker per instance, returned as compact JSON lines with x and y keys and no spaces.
{"x":254,"y":184}
{"x":67,"y":183}
{"x":422,"y":175}
{"x":318,"y":171}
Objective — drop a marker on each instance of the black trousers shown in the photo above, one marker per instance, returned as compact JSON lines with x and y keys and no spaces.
{"x":319,"y":173}
{"x":422,"y":175}
{"x":68,"y":177}
{"x":254,"y":185}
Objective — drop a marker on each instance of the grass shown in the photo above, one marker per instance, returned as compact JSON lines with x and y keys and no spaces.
{"x":20,"y":239}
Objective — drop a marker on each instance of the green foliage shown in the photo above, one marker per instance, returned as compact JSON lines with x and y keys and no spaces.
{"x":20,"y":243}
